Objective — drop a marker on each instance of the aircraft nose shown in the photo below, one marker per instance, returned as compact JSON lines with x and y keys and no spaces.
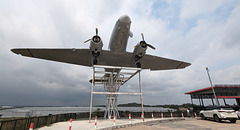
{"x":125,"y":18}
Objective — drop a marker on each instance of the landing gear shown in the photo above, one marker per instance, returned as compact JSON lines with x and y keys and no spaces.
{"x":136,"y":57}
{"x":95,"y":61}
{"x":137,"y":60}
{"x":95,"y":55}
{"x":138,"y":65}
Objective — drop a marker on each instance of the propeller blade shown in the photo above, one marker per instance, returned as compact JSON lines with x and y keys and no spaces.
{"x":151,"y":46}
{"x":142,"y":36}
{"x":87,"y":40}
{"x":91,"y":39}
{"x":96,"y":31}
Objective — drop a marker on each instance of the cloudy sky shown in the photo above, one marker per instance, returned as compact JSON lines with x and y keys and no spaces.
{"x":202,"y":32}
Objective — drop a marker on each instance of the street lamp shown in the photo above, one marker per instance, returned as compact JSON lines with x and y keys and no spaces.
{"x":212,"y":87}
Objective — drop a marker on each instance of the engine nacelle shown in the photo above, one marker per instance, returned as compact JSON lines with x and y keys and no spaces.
{"x":96,"y":46}
{"x":139,"y":51}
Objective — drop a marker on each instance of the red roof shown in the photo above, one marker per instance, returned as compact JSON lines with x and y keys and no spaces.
{"x":215,"y":86}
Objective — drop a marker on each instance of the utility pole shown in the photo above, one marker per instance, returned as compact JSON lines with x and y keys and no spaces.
{"x":212,"y":87}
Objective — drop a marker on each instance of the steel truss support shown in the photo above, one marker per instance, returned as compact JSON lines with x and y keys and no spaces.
{"x":111,"y":78}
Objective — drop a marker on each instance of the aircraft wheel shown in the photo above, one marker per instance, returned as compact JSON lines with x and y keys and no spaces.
{"x":95,"y":61}
{"x":136,"y":57}
{"x":138,"y":65}
{"x":95,"y":55}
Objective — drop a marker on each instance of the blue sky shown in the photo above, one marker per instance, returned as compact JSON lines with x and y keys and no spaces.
{"x":204,"y":33}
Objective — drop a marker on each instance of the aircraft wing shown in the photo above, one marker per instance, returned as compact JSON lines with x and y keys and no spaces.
{"x":107,"y":58}
{"x":125,"y":59}
{"x":72,"y":56}
{"x":160,"y":63}
{"x":148,"y":61}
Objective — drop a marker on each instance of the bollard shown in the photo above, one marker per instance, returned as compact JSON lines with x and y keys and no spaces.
{"x":152,"y":115}
{"x":162,"y":115}
{"x":142,"y":117}
{"x":182,"y":115}
{"x":114,"y":120}
{"x":171,"y":115}
{"x":70,"y":125}
{"x":95,"y":122}
{"x":195,"y":114}
{"x":31,"y":126}
{"x":130,"y":118}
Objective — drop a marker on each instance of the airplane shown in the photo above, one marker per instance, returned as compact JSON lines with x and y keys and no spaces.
{"x":115,"y":56}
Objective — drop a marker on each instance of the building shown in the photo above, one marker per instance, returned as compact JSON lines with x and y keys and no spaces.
{"x":222,"y":92}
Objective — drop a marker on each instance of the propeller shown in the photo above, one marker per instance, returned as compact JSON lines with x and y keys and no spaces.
{"x":93,"y":36}
{"x":144,"y":44}
{"x":96,"y":31}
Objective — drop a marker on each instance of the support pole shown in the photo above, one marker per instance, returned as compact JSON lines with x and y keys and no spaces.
{"x":192,"y":101}
{"x":200,"y":104}
{"x":90,"y":113}
{"x":212,"y":87}
{"x":224,"y":101}
{"x":140,"y":86}
{"x":238,"y":101}
{"x":202,"y":101}
{"x":212,"y":101}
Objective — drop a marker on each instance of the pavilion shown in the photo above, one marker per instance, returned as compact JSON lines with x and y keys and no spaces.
{"x":221,"y":91}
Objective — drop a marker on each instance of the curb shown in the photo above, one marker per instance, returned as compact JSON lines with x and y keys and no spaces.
{"x":141,"y":123}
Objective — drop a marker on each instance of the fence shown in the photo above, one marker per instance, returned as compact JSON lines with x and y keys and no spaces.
{"x":24,"y":123}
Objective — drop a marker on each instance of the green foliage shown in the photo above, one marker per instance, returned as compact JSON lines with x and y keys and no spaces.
{"x":173,"y":106}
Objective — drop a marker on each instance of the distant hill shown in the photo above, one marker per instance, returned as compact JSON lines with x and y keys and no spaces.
{"x":186,"y":105}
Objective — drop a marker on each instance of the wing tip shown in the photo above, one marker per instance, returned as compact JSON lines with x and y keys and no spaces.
{"x":14,"y":51}
{"x":183,"y":65}
{"x":17,"y":51}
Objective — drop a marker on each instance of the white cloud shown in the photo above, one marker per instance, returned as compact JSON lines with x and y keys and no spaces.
{"x":191,"y":9}
{"x":230,"y":33}
{"x":203,"y":37}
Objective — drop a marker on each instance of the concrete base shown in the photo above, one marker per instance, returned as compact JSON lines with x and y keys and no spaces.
{"x":105,"y":124}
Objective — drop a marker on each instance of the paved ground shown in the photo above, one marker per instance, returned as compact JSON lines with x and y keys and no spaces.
{"x":101,"y":124}
{"x":150,"y":124}
{"x":188,"y":124}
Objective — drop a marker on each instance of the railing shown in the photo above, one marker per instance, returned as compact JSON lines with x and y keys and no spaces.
{"x":24,"y":123}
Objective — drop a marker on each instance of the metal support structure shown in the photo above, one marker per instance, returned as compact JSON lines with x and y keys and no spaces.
{"x":224,"y":101}
{"x":238,"y":101}
{"x":111,"y":78}
{"x":90,"y":113}
{"x":192,"y":101}
{"x":212,"y":102}
{"x":217,"y":102}
{"x":202,"y":101}
{"x":140,"y":86}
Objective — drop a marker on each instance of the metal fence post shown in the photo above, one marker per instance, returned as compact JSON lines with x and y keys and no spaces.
{"x":15,"y":123}
{"x":1,"y":125}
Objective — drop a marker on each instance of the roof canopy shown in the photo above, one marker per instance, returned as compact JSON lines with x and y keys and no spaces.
{"x":222,"y":91}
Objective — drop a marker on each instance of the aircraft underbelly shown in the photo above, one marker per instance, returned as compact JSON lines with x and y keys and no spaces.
{"x":116,"y":59}
{"x":119,"y":38}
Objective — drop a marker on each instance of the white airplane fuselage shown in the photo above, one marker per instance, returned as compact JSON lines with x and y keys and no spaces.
{"x":120,"y":35}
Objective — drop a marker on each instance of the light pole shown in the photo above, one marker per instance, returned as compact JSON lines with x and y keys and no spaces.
{"x":212,"y":87}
